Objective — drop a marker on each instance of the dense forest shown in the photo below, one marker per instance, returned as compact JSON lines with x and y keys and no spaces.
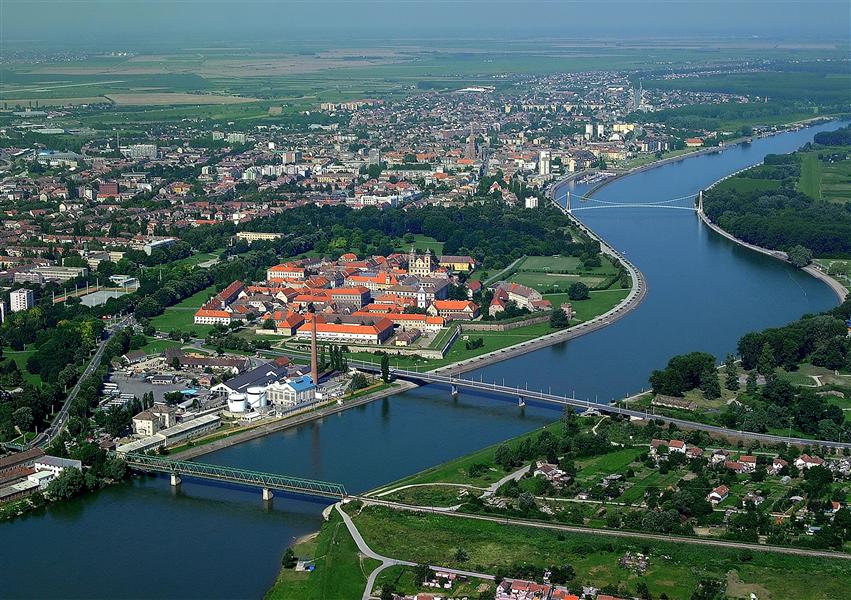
{"x":763,"y":206}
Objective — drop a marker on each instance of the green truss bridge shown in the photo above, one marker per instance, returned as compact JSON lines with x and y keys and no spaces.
{"x":257,"y":479}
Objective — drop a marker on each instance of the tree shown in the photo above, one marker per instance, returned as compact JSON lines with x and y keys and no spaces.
{"x":765,"y":364}
{"x":526,"y":502}
{"x":504,"y":457}
{"x":269,"y":324}
{"x":800,"y":256}
{"x":23,"y":418}
{"x":577,"y":291}
{"x":385,"y":368}
{"x":175,"y":363}
{"x":289,"y":560}
{"x":461,"y":555}
{"x":709,"y":383}
{"x":750,"y":385}
{"x":732,"y":373}
{"x":69,"y":484}
{"x":558,"y":319}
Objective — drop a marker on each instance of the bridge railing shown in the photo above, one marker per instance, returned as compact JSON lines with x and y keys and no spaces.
{"x":234,"y":475}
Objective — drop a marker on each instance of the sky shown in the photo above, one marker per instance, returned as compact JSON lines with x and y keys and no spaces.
{"x":268,"y":22}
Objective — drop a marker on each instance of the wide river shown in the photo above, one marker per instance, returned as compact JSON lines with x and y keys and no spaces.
{"x":141,"y":539}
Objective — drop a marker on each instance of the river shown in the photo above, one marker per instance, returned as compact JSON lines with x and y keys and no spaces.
{"x":142,"y":539}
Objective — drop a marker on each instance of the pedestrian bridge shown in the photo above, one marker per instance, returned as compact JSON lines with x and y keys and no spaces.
{"x":257,"y":479}
{"x":692,"y":202}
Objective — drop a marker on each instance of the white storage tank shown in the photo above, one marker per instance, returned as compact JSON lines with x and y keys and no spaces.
{"x":237,"y":403}
{"x":256,"y":396}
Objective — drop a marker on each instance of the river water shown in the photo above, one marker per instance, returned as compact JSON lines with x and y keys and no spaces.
{"x":142,"y":539}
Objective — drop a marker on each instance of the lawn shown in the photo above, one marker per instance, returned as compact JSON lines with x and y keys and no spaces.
{"x":543,"y":273}
{"x":20,"y":357}
{"x":597,"y":303}
{"x":548,"y":281}
{"x":422,"y":243}
{"x":432,"y":495}
{"x":340,"y":571}
{"x":181,"y":316}
{"x":593,"y":469}
{"x":674,"y":568}
{"x":155,"y":346}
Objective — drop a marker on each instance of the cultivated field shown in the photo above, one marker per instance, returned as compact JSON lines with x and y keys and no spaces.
{"x":171,"y":98}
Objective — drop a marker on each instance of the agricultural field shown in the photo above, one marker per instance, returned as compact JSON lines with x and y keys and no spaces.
{"x":825,"y":175}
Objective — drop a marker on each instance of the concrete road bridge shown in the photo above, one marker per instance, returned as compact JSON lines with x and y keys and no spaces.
{"x":522,"y":394}
{"x":266,"y":482}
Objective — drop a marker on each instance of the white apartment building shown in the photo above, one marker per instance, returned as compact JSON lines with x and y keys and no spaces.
{"x":21,"y":299}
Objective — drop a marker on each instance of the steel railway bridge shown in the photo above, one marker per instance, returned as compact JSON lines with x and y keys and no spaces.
{"x":256,"y":479}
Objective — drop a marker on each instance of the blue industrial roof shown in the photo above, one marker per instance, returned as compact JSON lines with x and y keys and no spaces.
{"x":302,"y":384}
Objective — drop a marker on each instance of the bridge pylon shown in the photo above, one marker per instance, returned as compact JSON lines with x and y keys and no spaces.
{"x":567,"y":202}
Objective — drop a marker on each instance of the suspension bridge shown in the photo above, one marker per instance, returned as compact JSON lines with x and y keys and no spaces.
{"x":256,"y":479}
{"x":692,"y":202}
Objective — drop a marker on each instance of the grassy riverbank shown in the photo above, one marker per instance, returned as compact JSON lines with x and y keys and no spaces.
{"x":340,"y":572}
{"x":674,"y":569}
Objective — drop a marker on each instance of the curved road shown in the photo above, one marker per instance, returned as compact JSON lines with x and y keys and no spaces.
{"x":386,"y":562}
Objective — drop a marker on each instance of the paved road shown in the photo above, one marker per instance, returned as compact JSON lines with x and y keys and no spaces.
{"x":61,"y":418}
{"x":617,"y":533}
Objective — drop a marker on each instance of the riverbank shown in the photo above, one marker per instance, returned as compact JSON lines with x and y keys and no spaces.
{"x":264,"y":430}
{"x":698,"y":152}
{"x":838,"y":289}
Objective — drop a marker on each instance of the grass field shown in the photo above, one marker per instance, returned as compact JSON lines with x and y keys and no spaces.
{"x":549,"y":273}
{"x":828,"y":178}
{"x":340,"y":572}
{"x":598,"y":302}
{"x":422,"y":243}
{"x":21,"y":357}
{"x":674,"y":569}
{"x":810,"y":180}
{"x":181,"y":316}
{"x":158,"y":346}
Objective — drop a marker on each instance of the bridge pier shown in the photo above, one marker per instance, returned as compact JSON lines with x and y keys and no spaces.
{"x":175,"y":480}
{"x":454,"y":391}
{"x":521,"y":401}
{"x":267,"y":494}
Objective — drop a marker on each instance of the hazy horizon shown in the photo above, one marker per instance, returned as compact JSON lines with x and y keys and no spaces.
{"x":275,"y":24}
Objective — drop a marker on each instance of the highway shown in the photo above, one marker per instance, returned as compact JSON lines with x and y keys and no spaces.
{"x":61,"y":418}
